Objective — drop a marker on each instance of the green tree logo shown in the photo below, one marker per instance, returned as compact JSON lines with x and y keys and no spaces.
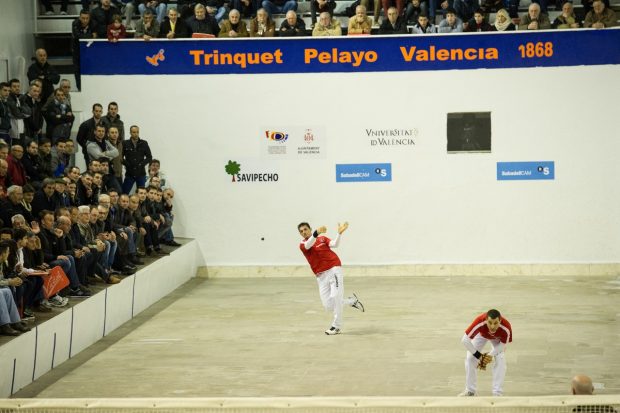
{"x":233,"y":168}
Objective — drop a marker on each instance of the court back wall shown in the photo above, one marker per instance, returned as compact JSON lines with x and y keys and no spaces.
{"x":437,"y":208}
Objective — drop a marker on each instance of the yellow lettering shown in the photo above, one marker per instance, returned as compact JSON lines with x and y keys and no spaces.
{"x":196,"y":54}
{"x":422,"y":56}
{"x":324,"y":57}
{"x":310,"y":54}
{"x":491,"y":54}
{"x":408,"y":55}
{"x":470,"y":54}
{"x":266,"y":58}
{"x":278,"y":55}
{"x":442,"y":54}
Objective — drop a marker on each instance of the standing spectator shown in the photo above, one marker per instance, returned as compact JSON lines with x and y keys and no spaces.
{"x":394,"y":24}
{"x":45,"y":153}
{"x":360,"y":23}
{"x":202,"y":23}
{"x":82,"y":28}
{"x":147,"y":27}
{"x":86,"y":131}
{"x":34,"y":123}
{"x":157,"y":7}
{"x":100,"y":147}
{"x":5,"y":113}
{"x":116,"y":30}
{"x":262,"y":25}
{"x":534,"y":19}
{"x":112,"y":118}
{"x":16,"y":171}
{"x":116,"y":163}
{"x":319,"y":6}
{"x":279,"y":6}
{"x":173,"y":28}
{"x":59,"y":117}
{"x":292,"y":26}
{"x":18,"y":111}
{"x":234,"y":26}
{"x":45,"y":72}
{"x":102,"y":16}
{"x":136,"y":155}
{"x":327,"y":26}
{"x":600,"y":16}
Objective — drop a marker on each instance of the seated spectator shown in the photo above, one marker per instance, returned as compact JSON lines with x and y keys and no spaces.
{"x":102,"y":221}
{"x":327,"y":26}
{"x":400,"y":6}
{"x":394,"y":23}
{"x":279,"y":6}
{"x":465,"y":9}
{"x":292,"y":26}
{"x":10,"y":321}
{"x":156,"y":7}
{"x":451,"y":23}
{"x":33,"y":299}
{"x":566,"y":20}
{"x":33,"y":256}
{"x":88,"y":237}
{"x":109,"y":180}
{"x":534,"y":19}
{"x":587,"y":5}
{"x":173,"y":28}
{"x":479,"y":23}
{"x":44,"y":198}
{"x":262,"y":25}
{"x":59,"y":117}
{"x":147,"y":27}
{"x":5,"y":180}
{"x":244,"y":7}
{"x":116,"y":29}
{"x":28,"y":191}
{"x":45,"y":153}
{"x":32,"y":163}
{"x":13,"y":205}
{"x":102,"y":16}
{"x":16,"y":169}
{"x":45,"y":73}
{"x":424,"y":26}
{"x":202,"y":23}
{"x":234,"y":26}
{"x":60,"y":158}
{"x":414,"y":9}
{"x":168,"y":237}
{"x":600,"y":16}
{"x":360,"y":23}
{"x":320,"y":6}
{"x":216,"y":9}
{"x":86,"y":194}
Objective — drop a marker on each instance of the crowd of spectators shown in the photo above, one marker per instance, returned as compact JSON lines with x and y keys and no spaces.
{"x":94,"y":224}
{"x":224,"y":18}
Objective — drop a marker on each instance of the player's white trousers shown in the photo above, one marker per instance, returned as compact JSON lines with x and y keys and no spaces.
{"x":498,"y":367}
{"x":331,"y":290}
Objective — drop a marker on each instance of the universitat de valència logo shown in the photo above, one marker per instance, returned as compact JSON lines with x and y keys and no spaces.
{"x":394,"y":137}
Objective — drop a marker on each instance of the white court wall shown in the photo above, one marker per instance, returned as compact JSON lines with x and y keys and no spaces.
{"x":16,"y":38}
{"x":438,"y":208}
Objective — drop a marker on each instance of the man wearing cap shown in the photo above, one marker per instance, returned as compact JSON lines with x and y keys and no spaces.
{"x":451,"y":23}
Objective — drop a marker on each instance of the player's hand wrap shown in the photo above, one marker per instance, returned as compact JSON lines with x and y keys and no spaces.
{"x":483,"y":361}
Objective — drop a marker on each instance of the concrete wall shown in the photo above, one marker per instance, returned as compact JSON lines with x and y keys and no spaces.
{"x":439,"y":207}
{"x":16,"y":38}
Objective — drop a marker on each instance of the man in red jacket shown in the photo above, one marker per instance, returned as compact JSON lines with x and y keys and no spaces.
{"x":326,"y":266}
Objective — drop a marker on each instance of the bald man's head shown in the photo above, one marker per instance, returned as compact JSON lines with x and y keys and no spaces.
{"x":582,"y":384}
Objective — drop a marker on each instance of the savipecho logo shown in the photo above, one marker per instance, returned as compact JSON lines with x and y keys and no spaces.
{"x":392,"y":137}
{"x":234,"y":169}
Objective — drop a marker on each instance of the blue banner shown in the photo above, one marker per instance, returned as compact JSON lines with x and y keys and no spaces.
{"x":352,"y":54}
{"x":511,"y":171}
{"x":364,"y":172}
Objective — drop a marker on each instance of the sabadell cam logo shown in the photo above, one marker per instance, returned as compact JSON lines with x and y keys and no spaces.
{"x":276,"y":136}
{"x":234,"y":169}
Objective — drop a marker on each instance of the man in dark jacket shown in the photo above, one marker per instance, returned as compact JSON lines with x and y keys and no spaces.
{"x":292,"y":26}
{"x":136,"y":156}
{"x":180,"y":29}
{"x":5,"y":113}
{"x":394,"y":24}
{"x":86,"y":131}
{"x":82,"y":28}
{"x":34,"y":123}
{"x":201,"y":22}
{"x":45,"y":72}
{"x":102,"y":17}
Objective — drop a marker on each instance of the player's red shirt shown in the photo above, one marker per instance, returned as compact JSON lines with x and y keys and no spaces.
{"x":479,"y":326}
{"x":320,"y":256}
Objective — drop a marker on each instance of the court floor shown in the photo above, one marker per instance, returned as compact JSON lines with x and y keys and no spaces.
{"x":264,"y":337}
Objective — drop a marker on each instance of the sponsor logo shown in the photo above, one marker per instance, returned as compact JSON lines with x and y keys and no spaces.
{"x":392,"y":137}
{"x":234,"y":169}
{"x":368,"y":172}
{"x":279,"y":138}
{"x":156,"y":58}
{"x":308,"y":136}
{"x":276,"y":136}
{"x":507,"y":171}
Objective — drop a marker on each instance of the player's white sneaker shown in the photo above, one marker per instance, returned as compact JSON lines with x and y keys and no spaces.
{"x":467,"y":393}
{"x":332,"y":331}
{"x":358,"y":304}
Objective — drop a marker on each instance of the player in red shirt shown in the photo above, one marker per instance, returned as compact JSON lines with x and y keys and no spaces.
{"x":487,"y":327}
{"x":326,"y":266}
